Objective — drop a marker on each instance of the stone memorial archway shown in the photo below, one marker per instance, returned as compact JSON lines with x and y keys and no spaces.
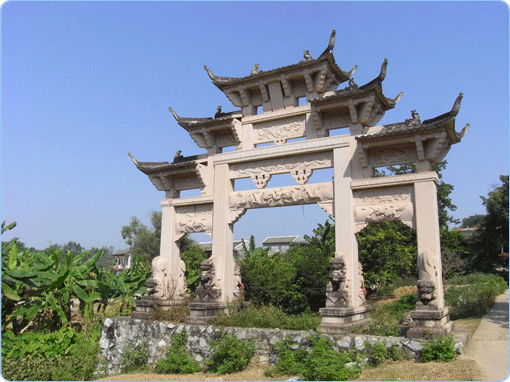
{"x":355,"y":197}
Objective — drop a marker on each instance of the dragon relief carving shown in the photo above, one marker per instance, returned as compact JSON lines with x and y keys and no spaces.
{"x":282,"y":196}
{"x":389,"y":212}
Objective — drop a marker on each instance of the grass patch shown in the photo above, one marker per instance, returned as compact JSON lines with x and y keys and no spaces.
{"x":266,"y":317}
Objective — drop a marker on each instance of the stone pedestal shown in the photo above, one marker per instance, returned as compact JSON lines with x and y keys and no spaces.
{"x":341,"y":320}
{"x":202,"y":313}
{"x":147,"y":306}
{"x":429,"y":321}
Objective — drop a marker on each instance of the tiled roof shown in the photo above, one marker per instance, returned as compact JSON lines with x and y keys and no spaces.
{"x":281,"y":239}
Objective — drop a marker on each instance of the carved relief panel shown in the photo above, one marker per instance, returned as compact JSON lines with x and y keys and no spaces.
{"x":383,"y":204}
{"x":193,"y":219}
{"x":279,"y":131}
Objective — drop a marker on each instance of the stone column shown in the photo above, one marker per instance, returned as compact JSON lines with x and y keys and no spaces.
{"x":167,"y":286}
{"x":217,"y":278}
{"x":345,"y":303}
{"x":431,"y":317}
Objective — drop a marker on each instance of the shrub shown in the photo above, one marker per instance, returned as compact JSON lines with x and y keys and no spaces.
{"x":135,"y":358}
{"x":45,"y":359}
{"x":317,"y":362}
{"x":231,"y":354}
{"x":267,"y":317}
{"x":177,"y":359}
{"x":441,"y":350}
{"x":473,"y":295}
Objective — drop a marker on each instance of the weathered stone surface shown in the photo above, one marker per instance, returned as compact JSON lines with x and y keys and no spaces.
{"x":121,"y":333}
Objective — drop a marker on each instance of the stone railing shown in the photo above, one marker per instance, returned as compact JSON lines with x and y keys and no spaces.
{"x":121,"y":333}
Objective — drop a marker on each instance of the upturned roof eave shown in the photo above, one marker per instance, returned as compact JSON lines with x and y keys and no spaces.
{"x":225,"y":82}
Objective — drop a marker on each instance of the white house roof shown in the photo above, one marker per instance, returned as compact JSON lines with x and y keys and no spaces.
{"x":282,"y":239}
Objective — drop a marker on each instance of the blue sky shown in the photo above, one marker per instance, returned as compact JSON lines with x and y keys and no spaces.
{"x":84,"y":83}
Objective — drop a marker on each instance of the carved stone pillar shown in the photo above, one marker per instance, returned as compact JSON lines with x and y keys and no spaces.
{"x":344,"y":307}
{"x":431,"y":316}
{"x":217,"y":278}
{"x":168,"y":285}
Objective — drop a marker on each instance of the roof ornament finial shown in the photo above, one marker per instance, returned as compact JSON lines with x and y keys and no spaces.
{"x":331,"y":45}
{"x":211,"y":75}
{"x":456,"y":105}
{"x":174,"y":114}
{"x":134,"y":160}
{"x":382,"y":74}
{"x":218,"y":112}
{"x":463,"y":131}
{"x":255,"y":70}
{"x":307,"y":56}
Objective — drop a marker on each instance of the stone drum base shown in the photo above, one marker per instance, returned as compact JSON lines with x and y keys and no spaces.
{"x":430,"y":322}
{"x":341,"y":320}
{"x":202,"y":313}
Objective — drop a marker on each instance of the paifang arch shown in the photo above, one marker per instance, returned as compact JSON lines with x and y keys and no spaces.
{"x":355,"y":197}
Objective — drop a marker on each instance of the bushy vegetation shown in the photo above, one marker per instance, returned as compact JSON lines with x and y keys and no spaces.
{"x":177,"y":358}
{"x":473,"y":295}
{"x":38,"y":342}
{"x":266,"y":316}
{"x":441,"y":350}
{"x":231,"y":354}
{"x":135,"y":357}
{"x":318,"y":361}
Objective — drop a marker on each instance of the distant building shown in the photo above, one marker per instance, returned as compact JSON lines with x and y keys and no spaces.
{"x":239,"y":252}
{"x":467,"y":232}
{"x":280,"y":243}
{"x":123,"y":260}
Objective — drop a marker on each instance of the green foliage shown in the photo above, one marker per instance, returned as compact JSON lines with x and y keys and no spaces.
{"x":38,"y":344}
{"x":493,"y":237}
{"x":144,"y":241}
{"x":271,"y":280}
{"x":267,"y":316}
{"x":385,"y":318}
{"x":177,"y":359}
{"x":47,"y":357}
{"x":473,"y":295}
{"x":387,"y":251}
{"x":192,"y":255}
{"x":454,"y":253}
{"x":135,"y":357}
{"x":231,"y":354}
{"x":317,"y":362}
{"x":441,"y":350}
{"x":473,"y":221}
{"x":378,"y":353}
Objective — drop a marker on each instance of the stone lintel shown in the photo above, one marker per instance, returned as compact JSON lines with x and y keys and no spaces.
{"x":396,"y":180}
{"x":289,"y":149}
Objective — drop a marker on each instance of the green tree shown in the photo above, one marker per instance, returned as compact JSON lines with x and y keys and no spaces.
{"x":144,"y":241}
{"x":387,"y":251}
{"x":493,"y":237}
{"x":271,"y":280}
{"x":473,"y":221}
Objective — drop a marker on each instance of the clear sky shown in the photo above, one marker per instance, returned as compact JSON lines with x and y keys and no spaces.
{"x":84,"y":83}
